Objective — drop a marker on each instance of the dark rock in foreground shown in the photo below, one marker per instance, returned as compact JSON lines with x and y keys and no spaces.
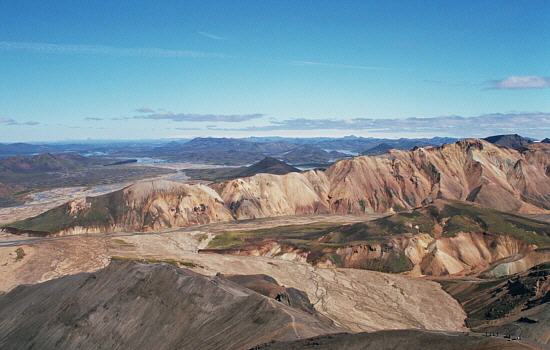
{"x":130,"y":305}
{"x":398,"y":340}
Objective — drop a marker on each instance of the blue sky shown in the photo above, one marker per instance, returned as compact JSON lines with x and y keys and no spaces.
{"x":150,"y":69}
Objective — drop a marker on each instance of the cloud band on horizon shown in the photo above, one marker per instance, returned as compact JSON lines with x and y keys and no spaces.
{"x":534,"y":123}
{"x":521,"y":82}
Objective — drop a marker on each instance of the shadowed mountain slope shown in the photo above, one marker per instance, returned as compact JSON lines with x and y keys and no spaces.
{"x":518,"y":305}
{"x":397,"y":340}
{"x":514,"y":141}
{"x":147,"y":306}
{"x":268,"y":165}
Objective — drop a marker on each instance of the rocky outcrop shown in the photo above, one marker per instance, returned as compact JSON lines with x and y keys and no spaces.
{"x":517,"y":305}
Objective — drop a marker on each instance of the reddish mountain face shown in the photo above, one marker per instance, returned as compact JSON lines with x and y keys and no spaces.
{"x":469,"y":170}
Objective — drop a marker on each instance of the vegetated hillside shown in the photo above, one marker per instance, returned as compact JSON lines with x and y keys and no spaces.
{"x":397,"y":340}
{"x":443,"y":238}
{"x":514,"y":141}
{"x":518,"y":305}
{"x":469,"y":170}
{"x":134,"y":305}
{"x":144,"y":206}
{"x":546,"y":140}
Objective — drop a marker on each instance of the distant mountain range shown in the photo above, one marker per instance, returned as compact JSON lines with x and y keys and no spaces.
{"x":229,"y":151}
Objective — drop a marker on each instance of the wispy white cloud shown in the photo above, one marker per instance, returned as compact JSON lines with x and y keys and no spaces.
{"x":336,"y":65}
{"x":211,"y":36}
{"x":521,"y":82}
{"x":105,"y":50}
{"x":145,"y":110}
{"x":151,"y":114}
{"x":13,"y":122}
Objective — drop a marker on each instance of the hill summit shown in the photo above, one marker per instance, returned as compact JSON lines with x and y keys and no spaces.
{"x":513,"y":141}
{"x":269,"y":165}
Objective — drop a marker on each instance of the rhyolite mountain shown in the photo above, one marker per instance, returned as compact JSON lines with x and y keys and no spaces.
{"x":469,"y":170}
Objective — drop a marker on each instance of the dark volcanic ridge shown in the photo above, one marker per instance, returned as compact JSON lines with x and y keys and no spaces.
{"x":268,"y":165}
{"x":398,"y":340}
{"x":518,"y":305}
{"x":514,"y":141}
{"x":131,"y":305}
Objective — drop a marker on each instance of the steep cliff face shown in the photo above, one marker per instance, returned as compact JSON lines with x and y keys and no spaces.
{"x":469,"y":170}
{"x":266,"y":195}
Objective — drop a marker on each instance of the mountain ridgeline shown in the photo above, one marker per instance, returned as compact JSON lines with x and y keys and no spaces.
{"x":469,"y":170}
{"x":135,"y":305}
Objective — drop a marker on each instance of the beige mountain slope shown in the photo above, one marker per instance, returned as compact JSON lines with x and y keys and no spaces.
{"x":144,"y":206}
{"x":472,"y":170}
